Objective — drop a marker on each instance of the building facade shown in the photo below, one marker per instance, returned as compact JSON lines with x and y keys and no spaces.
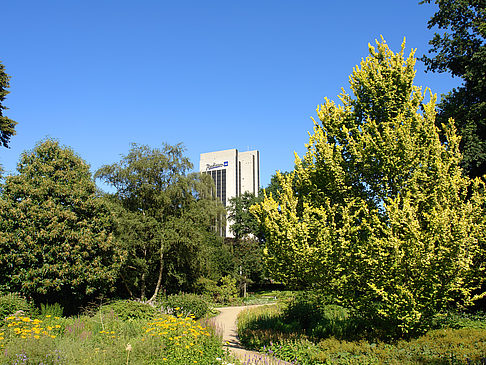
{"x":233,"y":172}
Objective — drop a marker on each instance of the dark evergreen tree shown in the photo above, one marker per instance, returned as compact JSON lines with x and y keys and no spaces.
{"x":7,"y":126}
{"x":461,"y":50}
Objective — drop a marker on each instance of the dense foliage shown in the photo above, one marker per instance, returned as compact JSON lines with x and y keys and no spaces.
{"x":187,"y":304}
{"x":460,"y":49}
{"x":378,"y":213}
{"x":129,"y":310}
{"x":246,"y":245}
{"x":7,"y":126}
{"x":13,"y":302}
{"x":243,"y":223}
{"x":56,"y":234}
{"x":164,"y":219}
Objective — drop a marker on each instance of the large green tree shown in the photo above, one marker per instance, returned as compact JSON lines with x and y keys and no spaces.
{"x":164,"y":218}
{"x":378,"y":213}
{"x":245,"y":246}
{"x":274,"y":186}
{"x":56,"y":241}
{"x":243,"y":223}
{"x":7,"y":126}
{"x":460,"y":49}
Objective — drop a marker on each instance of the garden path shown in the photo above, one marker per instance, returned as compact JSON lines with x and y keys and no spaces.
{"x":226,"y":321}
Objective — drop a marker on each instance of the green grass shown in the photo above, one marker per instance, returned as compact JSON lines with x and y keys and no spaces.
{"x":258,"y":297}
{"x":266,"y":297}
{"x":258,"y":327}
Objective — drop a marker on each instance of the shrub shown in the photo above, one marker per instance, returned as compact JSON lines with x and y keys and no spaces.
{"x":186,"y":304}
{"x":55,"y":310}
{"x":275,"y":331}
{"x":449,"y":346}
{"x":130,"y":309}
{"x":225,"y":292}
{"x":208,"y":287}
{"x":303,"y":308}
{"x":313,"y":312}
{"x":446,"y":346}
{"x":13,"y":302}
{"x":459,"y":320}
{"x":299,"y":351}
{"x":229,"y":288}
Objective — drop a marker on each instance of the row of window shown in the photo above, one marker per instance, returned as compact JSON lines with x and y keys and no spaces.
{"x":219,"y":177}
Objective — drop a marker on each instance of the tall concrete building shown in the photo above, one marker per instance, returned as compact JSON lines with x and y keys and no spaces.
{"x":233,"y":173}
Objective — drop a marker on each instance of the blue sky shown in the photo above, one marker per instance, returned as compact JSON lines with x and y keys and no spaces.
{"x":99,"y":75}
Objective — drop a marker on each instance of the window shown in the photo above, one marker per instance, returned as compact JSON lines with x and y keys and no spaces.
{"x":219,"y":177}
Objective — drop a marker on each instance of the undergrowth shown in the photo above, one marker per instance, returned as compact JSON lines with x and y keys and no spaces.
{"x":310,"y":332}
{"x":110,"y":335}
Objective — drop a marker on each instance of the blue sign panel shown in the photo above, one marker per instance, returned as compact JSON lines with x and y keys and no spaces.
{"x":216,"y":165}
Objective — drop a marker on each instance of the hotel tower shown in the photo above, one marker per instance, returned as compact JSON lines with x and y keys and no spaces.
{"x":233,"y":172}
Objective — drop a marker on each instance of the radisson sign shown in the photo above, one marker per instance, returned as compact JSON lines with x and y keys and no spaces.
{"x":216,"y":165}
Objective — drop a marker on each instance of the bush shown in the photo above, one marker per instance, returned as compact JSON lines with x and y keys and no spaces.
{"x":186,"y":304}
{"x":298,"y":351}
{"x":130,"y":310}
{"x":13,"y":302}
{"x":315,"y":315}
{"x":229,"y":289}
{"x":303,"y":308}
{"x":209,"y":288}
{"x":225,"y":292}
{"x":54,"y":310}
{"x":459,"y":320}
{"x":446,"y":346}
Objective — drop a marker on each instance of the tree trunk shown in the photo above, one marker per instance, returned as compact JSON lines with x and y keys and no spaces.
{"x":142,"y":279}
{"x":142,"y":284}
{"x":126,"y":285}
{"x":159,"y":279}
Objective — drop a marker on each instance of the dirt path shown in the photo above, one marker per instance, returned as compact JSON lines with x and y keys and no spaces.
{"x":226,"y":320}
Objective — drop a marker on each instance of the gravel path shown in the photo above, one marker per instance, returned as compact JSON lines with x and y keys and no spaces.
{"x":226,"y":320}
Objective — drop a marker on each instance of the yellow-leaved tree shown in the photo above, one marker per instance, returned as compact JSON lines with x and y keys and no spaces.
{"x":378,"y":213}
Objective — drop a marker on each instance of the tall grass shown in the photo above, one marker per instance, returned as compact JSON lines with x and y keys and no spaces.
{"x":258,"y":327}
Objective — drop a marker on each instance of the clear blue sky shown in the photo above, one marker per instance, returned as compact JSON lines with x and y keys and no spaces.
{"x":99,"y":75}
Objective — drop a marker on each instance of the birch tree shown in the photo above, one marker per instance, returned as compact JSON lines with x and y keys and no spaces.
{"x":164,"y":216}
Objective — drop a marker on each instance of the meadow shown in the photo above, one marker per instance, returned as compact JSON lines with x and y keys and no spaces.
{"x":122,"y":332}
